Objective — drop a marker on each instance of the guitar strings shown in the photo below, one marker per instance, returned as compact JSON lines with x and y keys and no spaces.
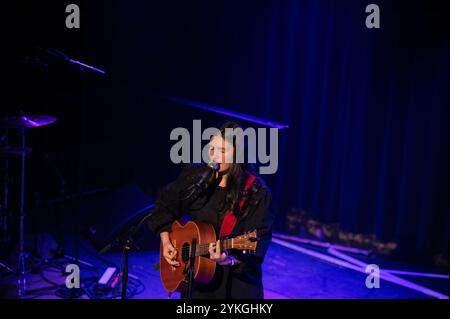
{"x":200,"y":247}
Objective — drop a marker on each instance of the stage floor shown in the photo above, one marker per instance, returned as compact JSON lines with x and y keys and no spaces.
{"x":287,"y":274}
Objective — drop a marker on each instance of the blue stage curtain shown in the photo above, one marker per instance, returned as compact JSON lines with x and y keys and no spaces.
{"x":367,"y":145}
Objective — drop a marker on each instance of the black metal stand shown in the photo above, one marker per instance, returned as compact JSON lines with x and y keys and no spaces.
{"x":190,"y":274}
{"x":127,"y":248}
{"x":127,"y":240}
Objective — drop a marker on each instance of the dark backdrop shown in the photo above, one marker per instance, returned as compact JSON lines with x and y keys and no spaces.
{"x":367,"y":145}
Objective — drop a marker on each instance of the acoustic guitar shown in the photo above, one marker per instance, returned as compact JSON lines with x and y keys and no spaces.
{"x":174,"y":278}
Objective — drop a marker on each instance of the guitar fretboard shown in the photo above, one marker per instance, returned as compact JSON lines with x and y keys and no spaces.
{"x":204,"y":248}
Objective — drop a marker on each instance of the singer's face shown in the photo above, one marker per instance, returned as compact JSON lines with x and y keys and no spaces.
{"x":221,"y":151}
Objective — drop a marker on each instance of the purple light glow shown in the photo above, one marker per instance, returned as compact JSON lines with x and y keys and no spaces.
{"x":357,"y":265}
{"x":84,"y":65}
{"x":226,"y":112}
{"x":389,"y":277}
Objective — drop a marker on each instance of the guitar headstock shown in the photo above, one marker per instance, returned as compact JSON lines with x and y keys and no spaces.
{"x":246,"y":242}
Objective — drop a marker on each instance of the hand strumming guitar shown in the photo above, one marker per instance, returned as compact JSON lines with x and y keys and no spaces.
{"x":169,"y":252}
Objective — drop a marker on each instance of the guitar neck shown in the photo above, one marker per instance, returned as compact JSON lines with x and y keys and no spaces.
{"x":204,"y":249}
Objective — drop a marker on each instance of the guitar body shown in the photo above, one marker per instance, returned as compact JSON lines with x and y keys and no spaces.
{"x":174,"y":278}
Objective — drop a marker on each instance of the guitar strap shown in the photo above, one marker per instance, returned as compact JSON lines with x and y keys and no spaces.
{"x":230,"y":219}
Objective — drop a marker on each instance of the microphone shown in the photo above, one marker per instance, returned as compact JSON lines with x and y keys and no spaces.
{"x":59,"y":54}
{"x":211,"y":168}
{"x":44,"y":57}
{"x":203,"y":182}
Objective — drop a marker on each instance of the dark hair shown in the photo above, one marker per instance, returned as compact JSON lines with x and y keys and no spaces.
{"x":237,"y":175}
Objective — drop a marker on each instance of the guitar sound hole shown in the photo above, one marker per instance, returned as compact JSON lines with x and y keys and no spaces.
{"x":185,"y":253}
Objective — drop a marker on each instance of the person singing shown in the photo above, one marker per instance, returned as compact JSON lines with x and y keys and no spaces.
{"x":237,"y":275}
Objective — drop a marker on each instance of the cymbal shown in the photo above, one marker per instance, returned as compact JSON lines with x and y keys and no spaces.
{"x":26,"y":121}
{"x":13,"y":150}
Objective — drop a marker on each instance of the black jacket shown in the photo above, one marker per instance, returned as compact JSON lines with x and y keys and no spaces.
{"x":243,"y":280}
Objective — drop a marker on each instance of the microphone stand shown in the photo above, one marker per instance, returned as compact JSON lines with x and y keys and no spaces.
{"x":127,"y":240}
{"x":190,"y":274}
{"x":197,"y":188}
{"x":126,"y":249}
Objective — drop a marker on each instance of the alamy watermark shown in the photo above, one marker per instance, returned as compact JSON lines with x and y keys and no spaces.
{"x":373,"y":19}
{"x":373,"y":279}
{"x":73,"y":277}
{"x":262,"y":146}
{"x":73,"y":19}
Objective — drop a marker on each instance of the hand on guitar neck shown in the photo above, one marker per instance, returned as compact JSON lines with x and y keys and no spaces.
{"x":219,"y":257}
